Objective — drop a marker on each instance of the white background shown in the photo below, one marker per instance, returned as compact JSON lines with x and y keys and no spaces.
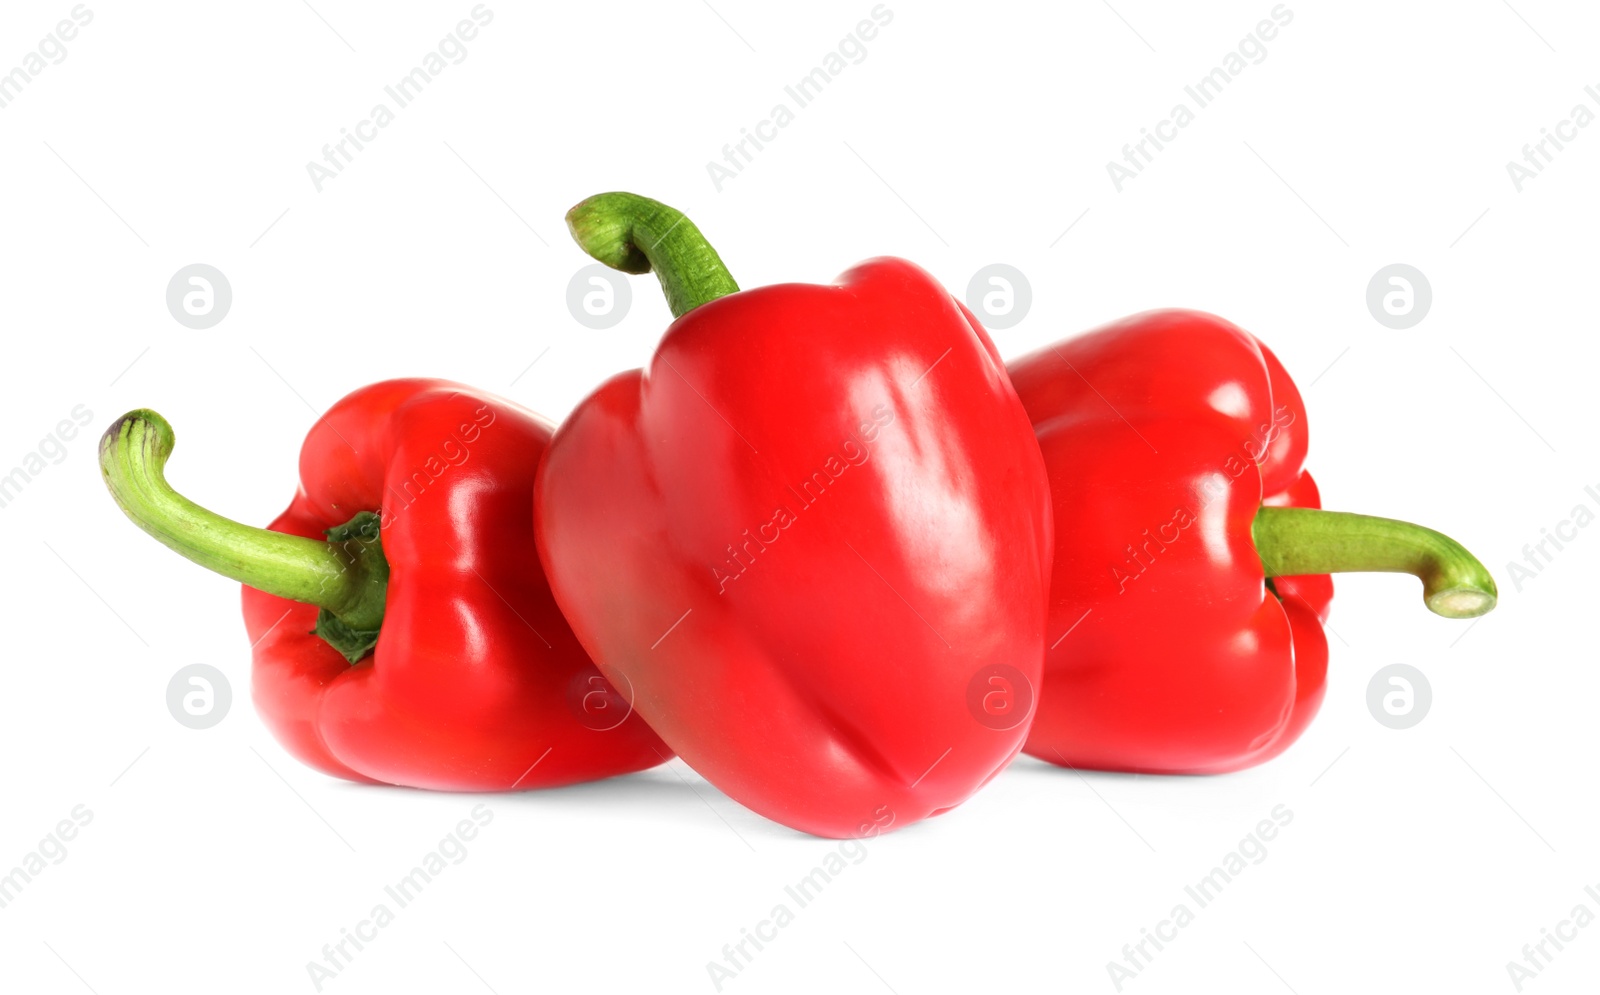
{"x":1418,"y":860}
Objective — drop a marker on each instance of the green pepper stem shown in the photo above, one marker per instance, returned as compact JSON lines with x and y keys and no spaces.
{"x":635,"y":234}
{"x":348,"y":579}
{"x":1297,"y":541}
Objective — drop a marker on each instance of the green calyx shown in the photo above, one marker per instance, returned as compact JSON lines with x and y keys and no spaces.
{"x":635,"y":234}
{"x":347,"y":576}
{"x":1299,"y":541}
{"x":356,"y":633}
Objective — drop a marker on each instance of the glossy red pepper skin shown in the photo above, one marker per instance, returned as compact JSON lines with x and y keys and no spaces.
{"x":1164,"y":433}
{"x":802,"y":538}
{"x":477,"y":683}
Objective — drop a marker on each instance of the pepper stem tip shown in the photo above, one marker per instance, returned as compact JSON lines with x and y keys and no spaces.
{"x":635,"y":234}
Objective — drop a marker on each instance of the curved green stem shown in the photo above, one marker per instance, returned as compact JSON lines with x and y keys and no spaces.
{"x":635,"y":234}
{"x":347,"y":577}
{"x":1297,"y":541}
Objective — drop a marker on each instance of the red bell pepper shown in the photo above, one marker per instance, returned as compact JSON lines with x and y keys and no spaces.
{"x":813,"y":537}
{"x":418,"y":643}
{"x":1191,"y":562}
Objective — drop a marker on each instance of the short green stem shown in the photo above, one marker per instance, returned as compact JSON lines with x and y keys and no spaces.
{"x":346,"y":577}
{"x":635,"y":234}
{"x":1297,"y":541}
